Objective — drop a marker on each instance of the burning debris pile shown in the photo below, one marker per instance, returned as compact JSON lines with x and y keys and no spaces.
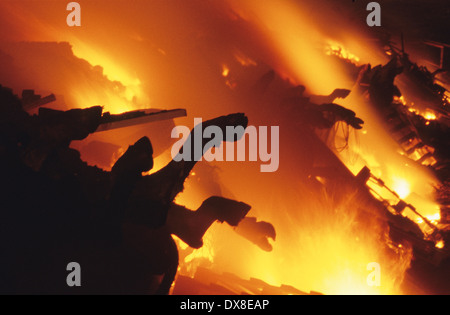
{"x":118,"y":223}
{"x":413,"y":241}
{"x":418,"y":121}
{"x":364,"y":164}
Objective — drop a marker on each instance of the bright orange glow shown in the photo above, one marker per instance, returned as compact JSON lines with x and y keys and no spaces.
{"x":121,"y":100}
{"x":225,"y":71}
{"x":401,"y":99}
{"x":446,"y":96}
{"x":328,"y":252}
{"x":326,"y":255}
{"x":297,"y":41}
{"x":388,"y":161}
{"x":320,"y":246}
{"x":401,"y":187}
{"x":42,"y":23}
{"x":434,"y":218}
{"x":335,"y":49}
{"x":430,"y":115}
{"x":427,"y":114}
{"x":325,"y":252}
{"x":193,"y":258}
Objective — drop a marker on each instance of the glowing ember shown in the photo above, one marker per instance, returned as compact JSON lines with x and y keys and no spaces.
{"x":434,"y":218}
{"x":225,"y":71}
{"x":440,"y":244}
{"x":400,"y":99}
{"x":429,"y":115}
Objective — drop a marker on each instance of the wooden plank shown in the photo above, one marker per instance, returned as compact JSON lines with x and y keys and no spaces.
{"x":146,"y":118}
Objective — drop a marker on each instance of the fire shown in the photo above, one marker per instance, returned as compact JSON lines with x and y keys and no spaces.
{"x":335,"y":49}
{"x":401,"y":187}
{"x":329,"y":252}
{"x":446,"y":97}
{"x":129,"y":88}
{"x":226,"y":74}
{"x":388,"y":162}
{"x":400,"y":99}
{"x":427,"y":114}
{"x":126,"y":92}
{"x":430,"y":115}
{"x":191,"y":259}
{"x":225,"y":71}
{"x":374,"y":148}
{"x":296,"y":40}
{"x":434,"y":218}
{"x":322,"y":247}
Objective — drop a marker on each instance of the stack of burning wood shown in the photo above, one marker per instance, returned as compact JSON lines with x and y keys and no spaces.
{"x":117,"y":225}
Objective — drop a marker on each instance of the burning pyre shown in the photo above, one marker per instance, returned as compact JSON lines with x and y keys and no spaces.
{"x":363,"y":175}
